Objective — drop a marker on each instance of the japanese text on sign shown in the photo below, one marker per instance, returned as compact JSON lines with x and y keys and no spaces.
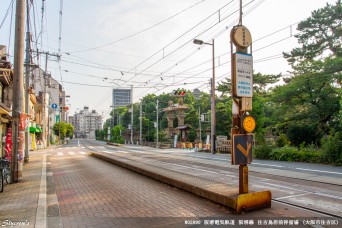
{"x":243,"y":75}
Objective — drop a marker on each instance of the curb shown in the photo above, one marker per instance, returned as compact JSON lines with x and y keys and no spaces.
{"x":232,"y":199}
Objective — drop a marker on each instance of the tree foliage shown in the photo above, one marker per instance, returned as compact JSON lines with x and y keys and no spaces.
{"x":63,"y":130}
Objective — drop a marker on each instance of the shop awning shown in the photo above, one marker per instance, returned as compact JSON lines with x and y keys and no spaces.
{"x":34,"y":130}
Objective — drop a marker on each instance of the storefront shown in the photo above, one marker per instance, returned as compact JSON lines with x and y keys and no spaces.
{"x":35,"y":137}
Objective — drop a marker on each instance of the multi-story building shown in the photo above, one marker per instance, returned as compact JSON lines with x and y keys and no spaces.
{"x":52,"y":99}
{"x":86,"y":122}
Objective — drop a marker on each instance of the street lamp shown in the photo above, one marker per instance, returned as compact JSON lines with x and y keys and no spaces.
{"x":213,"y":116}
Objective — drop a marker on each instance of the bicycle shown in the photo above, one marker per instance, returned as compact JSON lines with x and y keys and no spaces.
{"x":5,"y":173}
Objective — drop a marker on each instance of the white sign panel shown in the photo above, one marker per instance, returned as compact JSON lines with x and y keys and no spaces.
{"x":243,"y":75}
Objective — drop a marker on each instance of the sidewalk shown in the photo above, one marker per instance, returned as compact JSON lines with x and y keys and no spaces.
{"x":24,"y":204}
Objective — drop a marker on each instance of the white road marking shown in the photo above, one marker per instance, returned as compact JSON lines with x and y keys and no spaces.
{"x":286,"y":197}
{"x":60,"y":153}
{"x":320,"y":171}
{"x":328,"y":195}
{"x":71,"y":153}
{"x":41,"y":209}
{"x":81,"y":152}
{"x":255,"y":163}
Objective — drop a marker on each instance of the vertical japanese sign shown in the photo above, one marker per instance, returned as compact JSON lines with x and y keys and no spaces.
{"x":243,"y":75}
{"x":8,"y":147}
{"x":24,"y":120}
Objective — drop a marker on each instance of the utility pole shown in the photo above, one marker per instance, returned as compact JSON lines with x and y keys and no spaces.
{"x":140,"y":130}
{"x":132,"y":114}
{"x":44,"y":97}
{"x":213,"y":110}
{"x":44,"y":102}
{"x":157,"y":122}
{"x":18,"y":87}
{"x":199,"y":123}
{"x":27,"y":81}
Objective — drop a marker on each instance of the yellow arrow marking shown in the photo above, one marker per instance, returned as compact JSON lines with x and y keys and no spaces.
{"x":245,"y":152}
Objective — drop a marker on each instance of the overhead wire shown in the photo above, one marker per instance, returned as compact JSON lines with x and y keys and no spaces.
{"x":218,"y":57}
{"x":290,"y":26}
{"x":60,"y":40}
{"x":172,"y":75}
{"x":196,"y":36}
{"x":143,"y":30}
{"x":10,"y":30}
{"x":179,"y":47}
{"x":6,"y":14}
{"x":126,"y":72}
{"x":256,"y":61}
{"x":202,"y":64}
{"x":226,"y":18}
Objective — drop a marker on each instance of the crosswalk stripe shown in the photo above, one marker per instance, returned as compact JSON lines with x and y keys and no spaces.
{"x":61,"y":153}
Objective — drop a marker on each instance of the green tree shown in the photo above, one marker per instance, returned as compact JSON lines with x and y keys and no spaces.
{"x":318,"y":34}
{"x":311,"y":97}
{"x":63,"y":130}
{"x":70,"y":131}
{"x":116,"y":134}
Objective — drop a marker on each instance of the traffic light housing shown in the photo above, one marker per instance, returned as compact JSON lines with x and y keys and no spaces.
{"x":179,"y":92}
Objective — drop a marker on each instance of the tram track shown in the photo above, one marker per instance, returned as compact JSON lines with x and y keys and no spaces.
{"x":296,"y":180}
{"x":193,"y":164}
{"x":308,"y":209}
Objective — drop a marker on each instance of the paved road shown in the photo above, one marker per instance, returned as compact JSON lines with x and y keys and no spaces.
{"x":316,"y":187}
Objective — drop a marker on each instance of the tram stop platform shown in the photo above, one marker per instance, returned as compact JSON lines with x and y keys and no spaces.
{"x":222,"y":193}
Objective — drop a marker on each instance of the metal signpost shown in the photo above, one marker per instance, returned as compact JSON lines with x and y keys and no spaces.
{"x":243,"y":123}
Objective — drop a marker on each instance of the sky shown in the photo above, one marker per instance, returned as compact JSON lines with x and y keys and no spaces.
{"x":147,"y":44}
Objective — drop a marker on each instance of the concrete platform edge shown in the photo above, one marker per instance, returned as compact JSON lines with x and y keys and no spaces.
{"x":238,"y":202}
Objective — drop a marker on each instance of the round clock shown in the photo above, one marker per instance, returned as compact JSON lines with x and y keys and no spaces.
{"x":248,"y":123}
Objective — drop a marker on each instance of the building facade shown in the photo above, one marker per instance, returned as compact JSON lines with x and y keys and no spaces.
{"x":86,"y":122}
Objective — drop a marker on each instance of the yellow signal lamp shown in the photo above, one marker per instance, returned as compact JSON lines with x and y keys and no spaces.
{"x":248,"y":123}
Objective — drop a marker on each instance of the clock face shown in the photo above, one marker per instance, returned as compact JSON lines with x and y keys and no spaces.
{"x":248,"y":124}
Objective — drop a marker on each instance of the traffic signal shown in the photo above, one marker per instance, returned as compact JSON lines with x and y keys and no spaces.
{"x":179,"y":92}
{"x":64,"y":108}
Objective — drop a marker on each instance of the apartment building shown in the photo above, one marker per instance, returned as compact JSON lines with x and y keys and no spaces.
{"x":86,"y":122}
